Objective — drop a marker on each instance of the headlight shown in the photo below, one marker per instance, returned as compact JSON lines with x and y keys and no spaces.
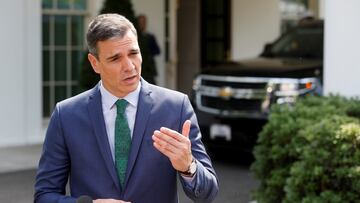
{"x":196,"y":83}
{"x":288,"y":90}
{"x":286,"y":87}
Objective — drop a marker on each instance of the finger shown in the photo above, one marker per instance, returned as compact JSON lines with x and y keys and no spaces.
{"x":174,"y":134}
{"x":164,"y":139}
{"x":170,"y":144}
{"x":163,"y":150}
{"x":186,"y":128}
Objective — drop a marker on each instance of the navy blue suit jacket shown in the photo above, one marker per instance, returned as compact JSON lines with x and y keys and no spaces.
{"x":76,"y":148}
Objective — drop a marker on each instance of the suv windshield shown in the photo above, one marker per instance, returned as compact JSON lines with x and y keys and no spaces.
{"x":303,"y":41}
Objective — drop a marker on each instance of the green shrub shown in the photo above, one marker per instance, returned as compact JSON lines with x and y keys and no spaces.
{"x":299,"y":149}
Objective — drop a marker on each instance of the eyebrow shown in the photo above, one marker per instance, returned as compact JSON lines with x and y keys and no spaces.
{"x":117,"y":55}
{"x":134,"y":50}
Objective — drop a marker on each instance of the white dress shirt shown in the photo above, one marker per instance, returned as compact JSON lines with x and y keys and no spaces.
{"x":109,"y":111}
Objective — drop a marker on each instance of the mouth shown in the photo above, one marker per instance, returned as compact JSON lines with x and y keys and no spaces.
{"x":130,"y":79}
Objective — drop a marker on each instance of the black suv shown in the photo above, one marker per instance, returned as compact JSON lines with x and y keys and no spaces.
{"x":232,"y":99}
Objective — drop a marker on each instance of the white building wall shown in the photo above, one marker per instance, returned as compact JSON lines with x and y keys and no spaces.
{"x":342,"y":42}
{"x":20,"y":78}
{"x":321,"y":9}
{"x":254,"y":23}
{"x":94,"y":8}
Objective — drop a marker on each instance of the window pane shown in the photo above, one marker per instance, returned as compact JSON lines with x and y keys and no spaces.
{"x":77,"y":30}
{"x":46,"y":30}
{"x":80,"y":4}
{"x":219,"y":7}
{"x":46,"y":65}
{"x":47,"y":3}
{"x":60,"y":30}
{"x":75,"y":90}
{"x":217,"y":52}
{"x":215,"y":7}
{"x":63,"y":43}
{"x":60,"y":65}
{"x":46,"y":101}
{"x":214,"y":29}
{"x":60,"y":93}
{"x":63,"y":4}
{"x":76,"y":63}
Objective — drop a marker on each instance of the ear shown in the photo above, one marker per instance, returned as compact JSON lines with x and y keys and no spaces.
{"x":94,"y":63}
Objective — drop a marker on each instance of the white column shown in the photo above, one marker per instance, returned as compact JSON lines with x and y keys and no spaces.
{"x":321,"y":9}
{"x":33,"y":70}
{"x":20,"y":78}
{"x":342,"y":44}
{"x":171,"y":65}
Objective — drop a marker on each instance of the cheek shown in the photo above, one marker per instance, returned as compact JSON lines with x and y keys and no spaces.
{"x":138,"y":62}
{"x":112,"y":71}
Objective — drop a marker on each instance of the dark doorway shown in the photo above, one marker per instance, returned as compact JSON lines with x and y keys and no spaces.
{"x":215,"y":31}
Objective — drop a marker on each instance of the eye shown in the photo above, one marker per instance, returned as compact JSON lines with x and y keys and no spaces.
{"x":114,"y":59}
{"x":134,"y":52}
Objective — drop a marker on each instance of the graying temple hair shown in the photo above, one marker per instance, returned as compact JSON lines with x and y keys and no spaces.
{"x":107,"y":26}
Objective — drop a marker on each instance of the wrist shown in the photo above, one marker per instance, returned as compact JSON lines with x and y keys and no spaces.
{"x":190,"y":172}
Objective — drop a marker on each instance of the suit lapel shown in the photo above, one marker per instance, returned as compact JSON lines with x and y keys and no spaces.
{"x":98,"y":123}
{"x":142,"y":116}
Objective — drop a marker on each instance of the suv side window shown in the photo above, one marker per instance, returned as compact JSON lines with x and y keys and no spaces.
{"x":306,"y":42}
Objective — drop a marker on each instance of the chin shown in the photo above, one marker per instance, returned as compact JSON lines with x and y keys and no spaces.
{"x":134,"y":85}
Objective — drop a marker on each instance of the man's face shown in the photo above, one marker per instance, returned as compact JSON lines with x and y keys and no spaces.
{"x":119,"y":64}
{"x":142,"y":23}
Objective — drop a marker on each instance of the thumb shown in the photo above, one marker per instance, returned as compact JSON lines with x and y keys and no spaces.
{"x":186,"y":128}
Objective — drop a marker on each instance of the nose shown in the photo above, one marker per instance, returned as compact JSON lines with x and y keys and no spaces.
{"x":128,"y":65}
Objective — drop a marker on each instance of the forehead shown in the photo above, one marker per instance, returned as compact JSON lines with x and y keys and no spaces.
{"x":118,"y":44}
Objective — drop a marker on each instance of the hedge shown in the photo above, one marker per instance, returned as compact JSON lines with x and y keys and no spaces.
{"x":310,"y":152}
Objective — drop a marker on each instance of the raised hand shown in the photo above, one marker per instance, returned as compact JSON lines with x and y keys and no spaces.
{"x":176,"y":146}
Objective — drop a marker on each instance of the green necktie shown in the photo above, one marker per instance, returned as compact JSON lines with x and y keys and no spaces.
{"x":122,"y":140}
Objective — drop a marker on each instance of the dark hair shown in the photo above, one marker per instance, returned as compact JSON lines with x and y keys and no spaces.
{"x":107,"y":26}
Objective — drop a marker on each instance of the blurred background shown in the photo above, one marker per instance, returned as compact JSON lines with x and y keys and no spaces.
{"x":42,"y":62}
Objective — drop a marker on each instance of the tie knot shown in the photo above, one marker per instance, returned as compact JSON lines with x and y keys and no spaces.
{"x":121,"y":105}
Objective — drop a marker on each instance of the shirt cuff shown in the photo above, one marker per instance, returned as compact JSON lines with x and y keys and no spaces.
{"x":190,"y":181}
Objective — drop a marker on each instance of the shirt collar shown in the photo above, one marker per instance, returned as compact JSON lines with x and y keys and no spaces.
{"x":109,"y":99}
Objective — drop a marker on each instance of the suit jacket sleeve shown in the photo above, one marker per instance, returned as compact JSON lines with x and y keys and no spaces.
{"x":205,"y":187}
{"x":54,"y":166}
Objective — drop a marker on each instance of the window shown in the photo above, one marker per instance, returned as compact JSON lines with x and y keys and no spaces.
{"x":63,"y":46}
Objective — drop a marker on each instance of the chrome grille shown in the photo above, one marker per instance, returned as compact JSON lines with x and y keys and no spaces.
{"x":232,"y":96}
{"x":231,"y":104}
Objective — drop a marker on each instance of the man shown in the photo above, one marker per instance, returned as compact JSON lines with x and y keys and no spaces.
{"x":152,"y":48}
{"x":125,"y":140}
{"x":152,"y":43}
